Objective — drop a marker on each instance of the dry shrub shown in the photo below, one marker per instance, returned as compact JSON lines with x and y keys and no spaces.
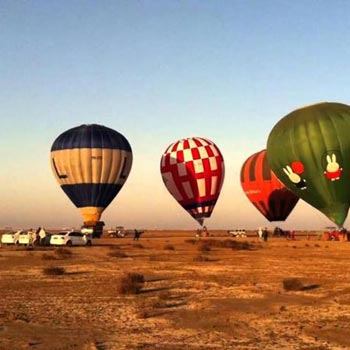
{"x":226,"y":243}
{"x":165,"y":295}
{"x":293,"y":284}
{"x":144,"y":313}
{"x":317,"y":245}
{"x":131,"y":283}
{"x":242,"y":246}
{"x":17,"y":316}
{"x":156,"y":257}
{"x":114,"y":247}
{"x":201,"y":258}
{"x":63,"y":253}
{"x":235,"y":245}
{"x":54,"y":271}
{"x":138,"y":246}
{"x":47,"y":256}
{"x":143,"y":309}
{"x":169,"y":247}
{"x":283,"y":308}
{"x":149,"y":307}
{"x":191,"y":241}
{"x":117,"y":254}
{"x":163,"y":302}
{"x":136,"y":277}
{"x":204,"y":247}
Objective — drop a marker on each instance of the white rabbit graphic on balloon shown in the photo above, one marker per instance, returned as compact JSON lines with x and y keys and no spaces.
{"x":295,"y":170}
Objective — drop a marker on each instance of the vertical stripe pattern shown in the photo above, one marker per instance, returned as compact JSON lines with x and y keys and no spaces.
{"x":264,"y":190}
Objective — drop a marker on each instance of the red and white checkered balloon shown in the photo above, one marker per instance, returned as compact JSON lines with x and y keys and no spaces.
{"x":193,"y":172}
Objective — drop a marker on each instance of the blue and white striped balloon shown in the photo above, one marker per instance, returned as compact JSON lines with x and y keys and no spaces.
{"x":91,"y":163}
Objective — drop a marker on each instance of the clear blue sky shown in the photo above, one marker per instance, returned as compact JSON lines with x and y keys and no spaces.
{"x":158,"y":71}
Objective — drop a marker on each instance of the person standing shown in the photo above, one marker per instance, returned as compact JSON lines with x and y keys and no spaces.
{"x":347,"y":235}
{"x":205,"y":231}
{"x":42,"y":236}
{"x":292,"y":235}
{"x":198,"y":234}
{"x":136,"y":235}
{"x":265,"y":234}
{"x":342,"y":232}
{"x":31,"y":237}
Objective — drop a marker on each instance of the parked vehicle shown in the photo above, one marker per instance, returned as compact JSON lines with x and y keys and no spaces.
{"x":11,"y":237}
{"x":26,"y":237}
{"x":118,"y":232}
{"x":96,"y":230}
{"x":47,"y":239}
{"x":70,"y":238}
{"x":237,"y":233}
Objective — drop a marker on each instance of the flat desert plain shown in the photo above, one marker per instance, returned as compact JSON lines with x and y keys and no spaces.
{"x":196,"y":295}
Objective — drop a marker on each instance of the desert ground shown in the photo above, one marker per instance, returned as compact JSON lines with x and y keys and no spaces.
{"x":195,"y":295}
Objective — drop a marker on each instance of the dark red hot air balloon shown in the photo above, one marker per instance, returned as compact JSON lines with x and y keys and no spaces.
{"x":264,"y":190}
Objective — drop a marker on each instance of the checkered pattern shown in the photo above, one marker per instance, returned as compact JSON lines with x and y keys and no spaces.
{"x":193,"y":172}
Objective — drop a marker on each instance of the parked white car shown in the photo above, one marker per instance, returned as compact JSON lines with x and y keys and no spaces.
{"x":71,"y":238}
{"x":11,"y":237}
{"x":27,"y":237}
{"x":237,"y":233}
{"x":119,"y":232}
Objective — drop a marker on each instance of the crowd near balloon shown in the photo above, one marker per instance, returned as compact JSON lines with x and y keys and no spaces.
{"x":307,"y":157}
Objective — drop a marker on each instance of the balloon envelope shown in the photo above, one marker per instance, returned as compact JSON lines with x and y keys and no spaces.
{"x":193,"y":172}
{"x":91,"y":163}
{"x":309,"y":151}
{"x":264,"y":190}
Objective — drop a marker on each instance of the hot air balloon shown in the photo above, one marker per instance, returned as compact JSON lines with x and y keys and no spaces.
{"x":193,"y":172}
{"x":309,"y":151}
{"x":91,"y":164}
{"x":264,"y":190}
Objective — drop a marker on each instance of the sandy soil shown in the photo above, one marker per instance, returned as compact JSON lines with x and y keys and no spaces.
{"x":233,"y":299}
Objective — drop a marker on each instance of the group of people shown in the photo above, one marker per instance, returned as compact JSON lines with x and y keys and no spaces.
{"x":340,"y":234}
{"x":333,"y":234}
{"x":202,"y":232}
{"x":37,"y":237}
{"x":263,"y":234}
{"x":278,"y":232}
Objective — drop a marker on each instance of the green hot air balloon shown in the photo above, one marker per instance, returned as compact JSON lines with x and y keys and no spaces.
{"x":309,"y":151}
